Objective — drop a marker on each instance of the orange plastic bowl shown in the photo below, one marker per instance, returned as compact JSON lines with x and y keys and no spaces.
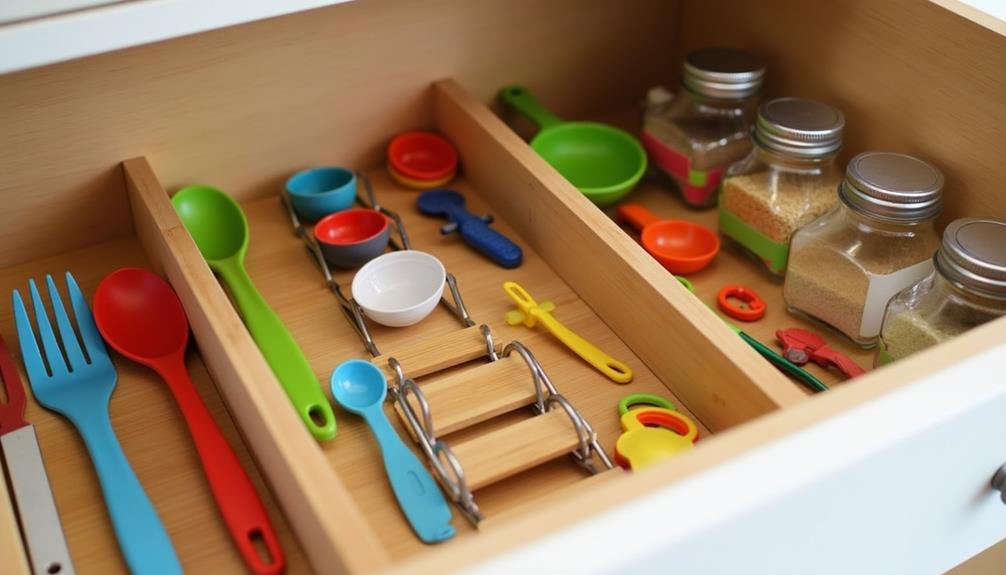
{"x":681,"y":246}
{"x":422,"y":156}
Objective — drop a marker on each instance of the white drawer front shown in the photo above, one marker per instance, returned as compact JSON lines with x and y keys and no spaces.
{"x":899,"y":485}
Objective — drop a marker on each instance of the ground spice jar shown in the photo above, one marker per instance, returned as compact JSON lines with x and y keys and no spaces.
{"x":694,"y":136}
{"x":846,"y":265}
{"x":967,"y":288}
{"x":788,"y":180}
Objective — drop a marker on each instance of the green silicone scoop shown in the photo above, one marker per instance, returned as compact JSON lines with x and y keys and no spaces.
{"x":220,"y":231}
{"x":603,"y":162}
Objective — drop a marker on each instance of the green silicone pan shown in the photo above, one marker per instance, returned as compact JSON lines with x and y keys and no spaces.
{"x":603,"y":162}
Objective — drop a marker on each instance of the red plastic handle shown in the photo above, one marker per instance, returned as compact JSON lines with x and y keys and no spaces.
{"x":233,"y":490}
{"x":755,"y":309}
{"x":11,"y":412}
{"x":826,"y":355}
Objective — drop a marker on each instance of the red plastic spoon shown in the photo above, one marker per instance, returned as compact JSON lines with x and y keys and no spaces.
{"x":140,"y":316}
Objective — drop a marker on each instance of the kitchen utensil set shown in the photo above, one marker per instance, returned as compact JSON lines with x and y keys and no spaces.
{"x":75,"y":377}
{"x":140,"y":316}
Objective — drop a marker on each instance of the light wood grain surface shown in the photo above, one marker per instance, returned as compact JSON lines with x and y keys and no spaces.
{"x":288,"y":278}
{"x":11,"y":546}
{"x":245,"y":105}
{"x":153,"y":435}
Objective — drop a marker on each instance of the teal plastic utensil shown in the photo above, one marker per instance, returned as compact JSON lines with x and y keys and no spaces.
{"x":360,"y":387}
{"x":80,"y":388}
{"x":220,"y":231}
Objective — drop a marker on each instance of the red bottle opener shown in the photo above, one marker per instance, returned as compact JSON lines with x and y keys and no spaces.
{"x":800,"y":346}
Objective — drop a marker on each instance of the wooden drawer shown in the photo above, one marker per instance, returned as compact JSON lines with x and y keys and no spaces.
{"x":804,"y":484}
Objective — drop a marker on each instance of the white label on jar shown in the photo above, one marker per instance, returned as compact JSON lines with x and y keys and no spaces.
{"x":880,"y":291}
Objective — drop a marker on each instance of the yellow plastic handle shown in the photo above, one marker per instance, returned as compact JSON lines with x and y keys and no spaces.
{"x":533,"y":313}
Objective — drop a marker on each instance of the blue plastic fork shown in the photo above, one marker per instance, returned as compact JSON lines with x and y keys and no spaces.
{"x":79,"y":387}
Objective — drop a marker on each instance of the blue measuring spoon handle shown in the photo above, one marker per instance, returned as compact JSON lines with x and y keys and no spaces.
{"x":415,"y":489}
{"x":142,"y":537}
{"x":491,"y":243}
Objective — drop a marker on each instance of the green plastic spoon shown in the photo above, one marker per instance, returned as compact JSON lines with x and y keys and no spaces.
{"x":220,"y":231}
{"x":603,"y":162}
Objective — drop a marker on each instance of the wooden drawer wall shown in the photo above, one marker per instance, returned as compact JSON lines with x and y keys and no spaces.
{"x":242,"y":108}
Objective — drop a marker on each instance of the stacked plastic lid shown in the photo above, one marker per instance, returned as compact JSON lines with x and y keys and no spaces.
{"x":422,"y":160}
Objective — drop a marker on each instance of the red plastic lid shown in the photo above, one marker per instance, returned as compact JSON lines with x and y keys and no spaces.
{"x":422,"y":156}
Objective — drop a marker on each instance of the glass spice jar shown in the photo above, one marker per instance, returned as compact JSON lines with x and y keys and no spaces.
{"x":787,"y":181}
{"x":694,"y":136}
{"x":967,"y":289}
{"x":846,"y":265}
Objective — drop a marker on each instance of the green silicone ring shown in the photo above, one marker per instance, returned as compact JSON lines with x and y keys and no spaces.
{"x":637,"y":399}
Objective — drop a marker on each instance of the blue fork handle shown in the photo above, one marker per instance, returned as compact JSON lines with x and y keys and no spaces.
{"x":417,"y":493}
{"x":142,"y":537}
{"x":491,"y":243}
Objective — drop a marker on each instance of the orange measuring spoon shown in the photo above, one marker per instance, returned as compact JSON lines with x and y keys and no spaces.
{"x":682,"y":247}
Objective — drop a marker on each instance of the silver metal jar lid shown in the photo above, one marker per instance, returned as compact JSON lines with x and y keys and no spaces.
{"x":973,"y":254}
{"x":894,"y":187}
{"x":723,"y":73}
{"x":798,"y":127}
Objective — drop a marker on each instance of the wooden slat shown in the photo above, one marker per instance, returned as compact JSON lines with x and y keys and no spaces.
{"x":426,"y":355}
{"x":332,"y":529}
{"x":515,"y":448}
{"x":459,"y":400}
{"x":582,"y":488}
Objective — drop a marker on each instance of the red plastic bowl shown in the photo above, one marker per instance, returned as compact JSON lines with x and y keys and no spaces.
{"x":422,"y":156}
{"x":348,"y":227}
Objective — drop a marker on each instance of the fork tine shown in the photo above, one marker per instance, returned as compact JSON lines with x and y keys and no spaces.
{"x":57,"y":365}
{"x":66,"y":334}
{"x":93,"y":344}
{"x":30,"y":354}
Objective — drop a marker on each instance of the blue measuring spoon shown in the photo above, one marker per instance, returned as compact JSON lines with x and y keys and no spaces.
{"x":473,"y":229}
{"x":360,"y":387}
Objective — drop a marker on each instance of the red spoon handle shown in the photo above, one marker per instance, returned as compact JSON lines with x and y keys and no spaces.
{"x":12,"y":412}
{"x":236,"y":497}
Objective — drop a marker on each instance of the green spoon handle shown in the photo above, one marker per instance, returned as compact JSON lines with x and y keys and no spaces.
{"x":520,"y":99}
{"x":281,"y":352}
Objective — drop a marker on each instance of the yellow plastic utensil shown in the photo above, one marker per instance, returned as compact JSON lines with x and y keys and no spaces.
{"x":652,"y":434}
{"x":530,"y":313}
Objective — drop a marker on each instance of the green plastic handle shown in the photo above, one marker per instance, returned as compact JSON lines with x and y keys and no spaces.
{"x":780,"y":361}
{"x":520,"y":99}
{"x":281,"y":352}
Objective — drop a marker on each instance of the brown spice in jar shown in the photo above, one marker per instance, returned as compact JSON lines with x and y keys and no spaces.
{"x":823,"y":281}
{"x":778,"y":203}
{"x":908,"y":333}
